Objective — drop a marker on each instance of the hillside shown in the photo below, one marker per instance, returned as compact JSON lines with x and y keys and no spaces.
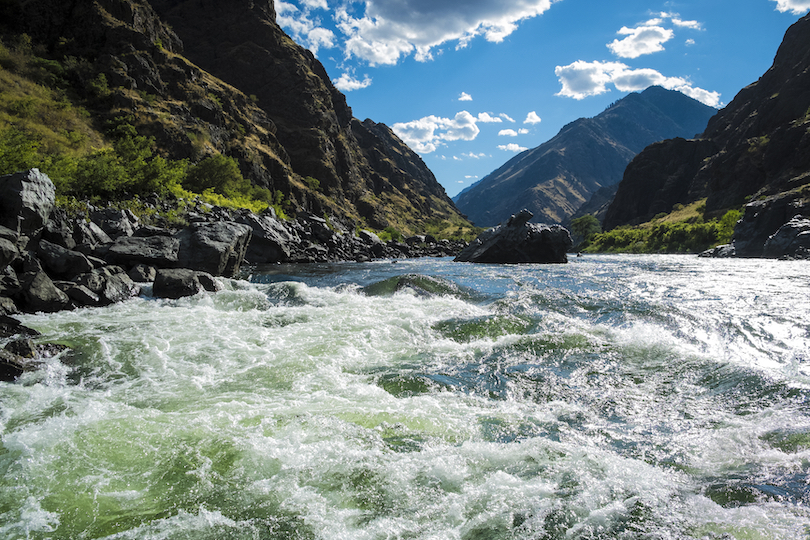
{"x":559,"y":176}
{"x":207,"y":78}
{"x":756,"y":149}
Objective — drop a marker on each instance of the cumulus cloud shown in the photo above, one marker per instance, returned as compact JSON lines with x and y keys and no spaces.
{"x":507,"y":117}
{"x":465,"y":97}
{"x":347,"y":83}
{"x":582,"y":79}
{"x":512,"y":132}
{"x":512,"y":147}
{"x":487,"y":118}
{"x":641,"y":40}
{"x":532,"y":118}
{"x":301,"y":25}
{"x":427,"y":134}
{"x":387,"y":30}
{"x":797,"y":7}
{"x":473,"y":155}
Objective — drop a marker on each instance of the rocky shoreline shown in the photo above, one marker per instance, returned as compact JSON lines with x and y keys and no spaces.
{"x":51,"y":262}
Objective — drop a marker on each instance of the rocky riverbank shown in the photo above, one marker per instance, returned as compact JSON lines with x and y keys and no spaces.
{"x":51,"y":261}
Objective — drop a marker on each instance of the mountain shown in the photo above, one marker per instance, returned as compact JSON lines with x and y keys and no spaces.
{"x":755,"y":149}
{"x":206,"y":77}
{"x":556,"y":178}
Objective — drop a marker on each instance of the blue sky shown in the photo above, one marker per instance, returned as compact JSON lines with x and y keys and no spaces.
{"x":470,"y":83}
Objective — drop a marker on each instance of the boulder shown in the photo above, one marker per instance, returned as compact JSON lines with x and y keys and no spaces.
{"x":26,"y":201}
{"x":60,"y":261}
{"x":177,"y":283}
{"x":110,"y":284}
{"x":40,"y":294}
{"x":8,"y":252}
{"x":160,"y":251}
{"x":59,"y":229}
{"x":271,"y":241}
{"x":217,"y":248}
{"x":789,"y":240}
{"x":115,"y":223}
{"x":519,"y":241}
{"x":142,"y":273}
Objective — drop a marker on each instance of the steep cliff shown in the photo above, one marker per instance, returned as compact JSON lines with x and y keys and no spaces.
{"x":205,"y":76}
{"x":559,"y":176}
{"x":758,"y":147}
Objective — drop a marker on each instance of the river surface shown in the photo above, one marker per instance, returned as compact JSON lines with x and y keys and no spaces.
{"x":615,"y":397}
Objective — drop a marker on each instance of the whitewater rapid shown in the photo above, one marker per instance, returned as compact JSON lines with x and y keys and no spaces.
{"x":613,"y":397}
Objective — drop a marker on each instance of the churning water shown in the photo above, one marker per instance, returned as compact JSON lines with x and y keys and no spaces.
{"x":654,"y":397}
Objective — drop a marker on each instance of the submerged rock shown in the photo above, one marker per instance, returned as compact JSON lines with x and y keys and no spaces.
{"x":419,"y":284}
{"x":519,"y":241}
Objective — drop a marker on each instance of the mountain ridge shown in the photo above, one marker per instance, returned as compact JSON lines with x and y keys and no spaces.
{"x":554,"y":179}
{"x":755,"y":149}
{"x":205,"y":77}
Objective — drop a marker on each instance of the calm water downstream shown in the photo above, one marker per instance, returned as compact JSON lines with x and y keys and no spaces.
{"x":633,"y":397}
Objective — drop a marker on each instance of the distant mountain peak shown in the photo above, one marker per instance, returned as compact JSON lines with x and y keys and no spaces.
{"x":554,"y":179}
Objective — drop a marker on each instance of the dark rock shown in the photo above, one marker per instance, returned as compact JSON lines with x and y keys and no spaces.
{"x":271,"y":241}
{"x":217,"y":248}
{"x":177,"y":283}
{"x":369,"y":237}
{"x":9,"y":327}
{"x":115,"y":223}
{"x":160,"y":251}
{"x":60,"y":261}
{"x":40,"y":294}
{"x":8,"y":252}
{"x":142,"y":273}
{"x":59,"y":229}
{"x":793,"y":237}
{"x":11,"y":366}
{"x":209,"y":282}
{"x":7,"y":306}
{"x":81,"y":294}
{"x":720,"y":252}
{"x":763,"y":218}
{"x":24,"y":348}
{"x":110,"y":284}
{"x":26,"y":201}
{"x":90,"y":234}
{"x":151,"y":230}
{"x":519,"y":242}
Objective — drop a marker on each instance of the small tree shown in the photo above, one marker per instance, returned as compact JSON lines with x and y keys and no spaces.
{"x":586,"y":227}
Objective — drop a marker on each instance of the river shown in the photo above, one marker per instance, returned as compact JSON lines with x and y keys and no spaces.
{"x":631,"y":397}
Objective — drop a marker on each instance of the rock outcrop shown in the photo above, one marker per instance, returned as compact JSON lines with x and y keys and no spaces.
{"x":518,"y":241}
{"x":555,"y":179}
{"x":756,"y":149}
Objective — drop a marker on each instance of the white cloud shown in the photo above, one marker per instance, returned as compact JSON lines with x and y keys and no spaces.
{"x":427,"y":134}
{"x":391,"y":29}
{"x":532,"y":118}
{"x":507,"y":117}
{"x":693,"y":25}
{"x":473,"y":155}
{"x":797,"y":7}
{"x":465,"y":97}
{"x":512,"y":147}
{"x":302,"y":27}
{"x":690,"y":42}
{"x":641,"y":40}
{"x":347,"y":83}
{"x":582,"y":79}
{"x":508,"y":133}
{"x":487,"y":118}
